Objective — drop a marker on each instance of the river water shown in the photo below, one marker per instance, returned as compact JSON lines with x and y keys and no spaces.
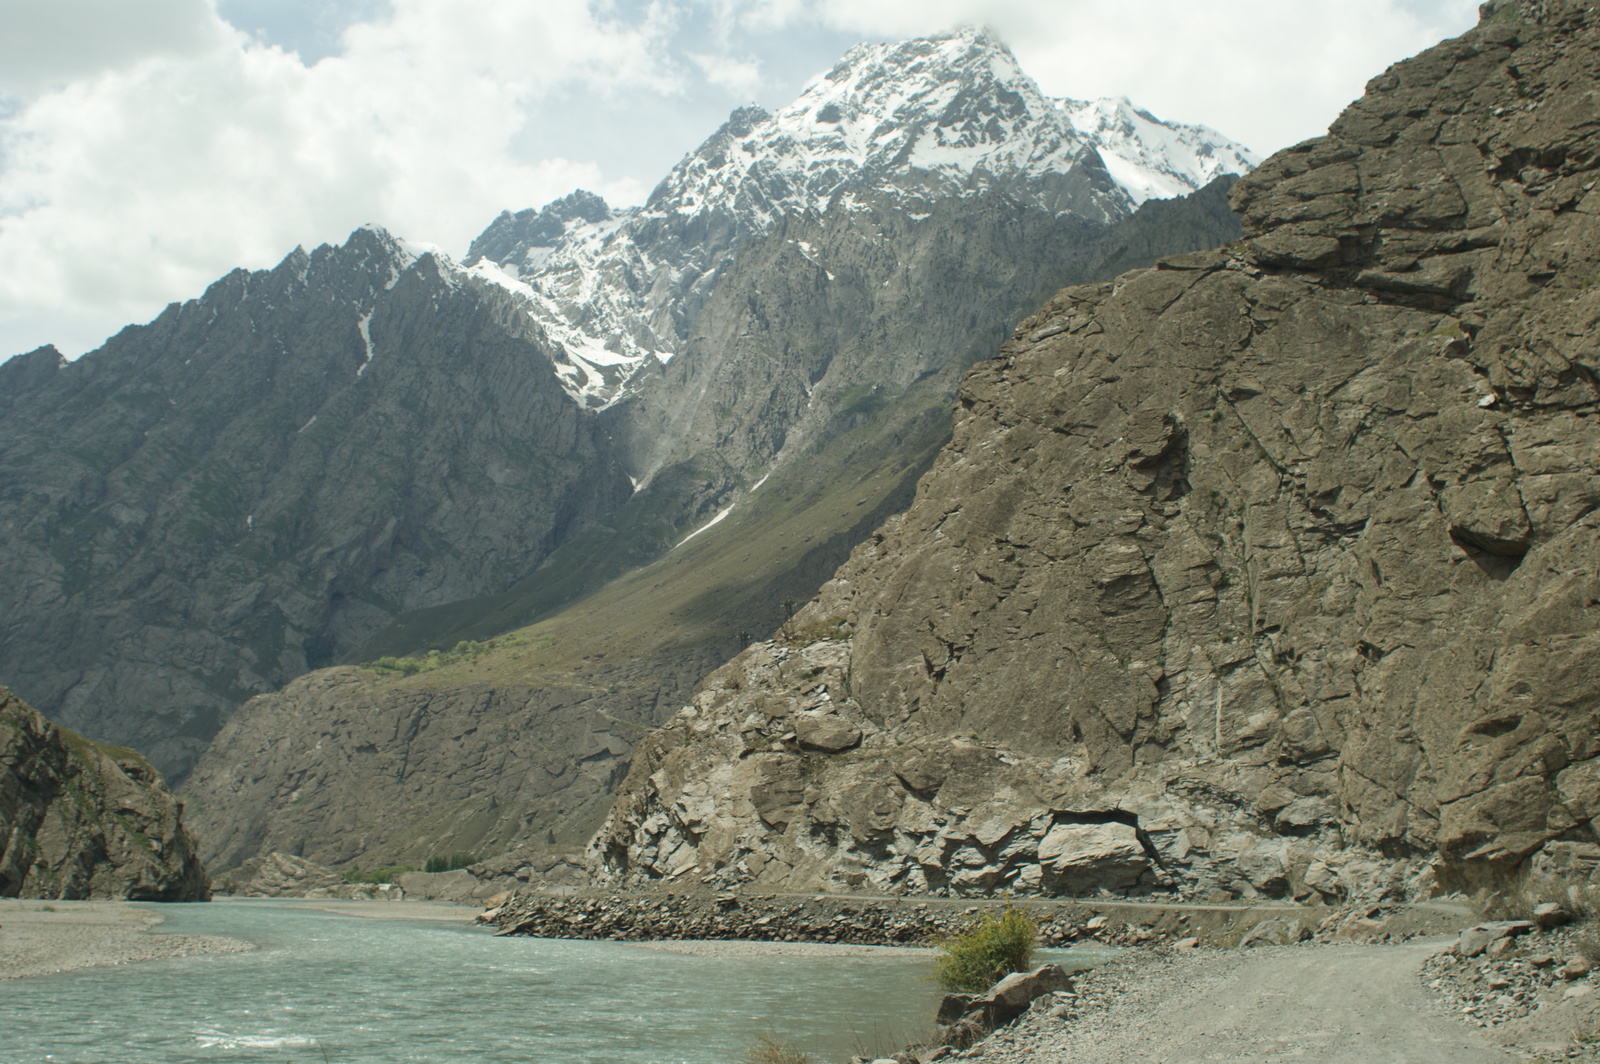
{"x":331,"y":987}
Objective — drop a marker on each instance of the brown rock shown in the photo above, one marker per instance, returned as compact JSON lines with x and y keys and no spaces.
{"x":79,"y":819}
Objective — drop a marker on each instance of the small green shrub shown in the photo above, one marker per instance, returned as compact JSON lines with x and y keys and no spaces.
{"x":380,"y":875}
{"x":766,"y":1050}
{"x":992,"y":947}
{"x":449,"y":862}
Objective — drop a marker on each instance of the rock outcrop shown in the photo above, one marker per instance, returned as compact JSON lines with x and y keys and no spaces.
{"x":1271,"y":570}
{"x":280,"y":875}
{"x":82,"y":820}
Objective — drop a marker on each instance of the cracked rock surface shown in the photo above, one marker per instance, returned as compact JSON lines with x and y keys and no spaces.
{"x":1270,"y":571}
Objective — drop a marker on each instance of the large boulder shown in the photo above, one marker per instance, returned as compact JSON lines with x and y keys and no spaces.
{"x":964,"y":1018}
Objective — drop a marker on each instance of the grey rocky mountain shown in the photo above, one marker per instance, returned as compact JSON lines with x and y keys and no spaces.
{"x":259,"y":480}
{"x":1271,"y":570}
{"x":83,"y":820}
{"x":526,"y":743}
{"x":213,"y":503}
{"x":528,"y":236}
{"x":370,"y":450}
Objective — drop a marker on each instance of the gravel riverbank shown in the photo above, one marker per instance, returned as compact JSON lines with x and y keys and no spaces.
{"x":43,"y":938}
{"x":862,"y":920}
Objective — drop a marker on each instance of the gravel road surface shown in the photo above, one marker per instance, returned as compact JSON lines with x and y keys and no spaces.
{"x":1327,"y":1004}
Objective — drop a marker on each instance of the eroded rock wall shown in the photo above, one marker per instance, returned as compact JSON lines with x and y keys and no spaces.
{"x":81,"y":820}
{"x":1271,"y":570}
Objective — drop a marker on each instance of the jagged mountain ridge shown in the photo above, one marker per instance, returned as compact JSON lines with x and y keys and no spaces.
{"x":897,"y":126}
{"x":814,"y":336}
{"x":1283,"y":555}
{"x":251,"y":485}
{"x":213,"y":503}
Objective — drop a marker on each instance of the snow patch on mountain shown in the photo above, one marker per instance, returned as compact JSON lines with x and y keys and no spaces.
{"x":1152,"y":159}
{"x":903,"y":125}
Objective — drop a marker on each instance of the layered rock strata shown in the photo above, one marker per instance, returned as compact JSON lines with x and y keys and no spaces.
{"x":1271,"y":570}
{"x":82,"y":820}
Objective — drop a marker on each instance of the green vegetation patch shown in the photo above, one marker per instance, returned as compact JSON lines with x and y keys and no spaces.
{"x":991,"y":948}
{"x":380,"y":875}
{"x":464,"y":652}
{"x":449,"y":862}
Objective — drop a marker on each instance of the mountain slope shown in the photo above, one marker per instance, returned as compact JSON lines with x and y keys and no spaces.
{"x":243,"y":489}
{"x":1271,"y":570}
{"x":369,"y":450}
{"x":629,"y":615}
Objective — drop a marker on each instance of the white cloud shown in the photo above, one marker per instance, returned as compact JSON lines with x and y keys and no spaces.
{"x":741,"y":77}
{"x":144,"y":182}
{"x":50,"y":42}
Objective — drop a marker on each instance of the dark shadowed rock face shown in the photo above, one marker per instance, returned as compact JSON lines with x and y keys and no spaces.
{"x":245,"y":488}
{"x":81,"y":820}
{"x":1271,"y":570}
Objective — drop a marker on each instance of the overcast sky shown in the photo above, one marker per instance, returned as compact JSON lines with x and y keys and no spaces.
{"x":149,"y":146}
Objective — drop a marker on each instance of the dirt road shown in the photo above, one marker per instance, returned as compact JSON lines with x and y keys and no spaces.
{"x":1327,"y":1004}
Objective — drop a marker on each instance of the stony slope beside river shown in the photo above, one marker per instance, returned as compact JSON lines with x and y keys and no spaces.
{"x":1268,"y":571}
{"x":82,"y":820}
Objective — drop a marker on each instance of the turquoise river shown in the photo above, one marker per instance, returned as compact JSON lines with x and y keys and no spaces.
{"x":325,"y":986}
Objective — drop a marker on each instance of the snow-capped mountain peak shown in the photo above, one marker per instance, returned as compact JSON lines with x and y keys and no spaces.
{"x":893,"y":126}
{"x":919,"y":119}
{"x":1152,"y":159}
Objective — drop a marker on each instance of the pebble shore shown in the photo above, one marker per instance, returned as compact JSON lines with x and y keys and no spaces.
{"x":46,"y":937}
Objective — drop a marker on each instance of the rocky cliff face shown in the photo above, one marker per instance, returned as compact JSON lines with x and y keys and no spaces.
{"x":1271,"y":570}
{"x":82,"y":820}
{"x":245,"y":488}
